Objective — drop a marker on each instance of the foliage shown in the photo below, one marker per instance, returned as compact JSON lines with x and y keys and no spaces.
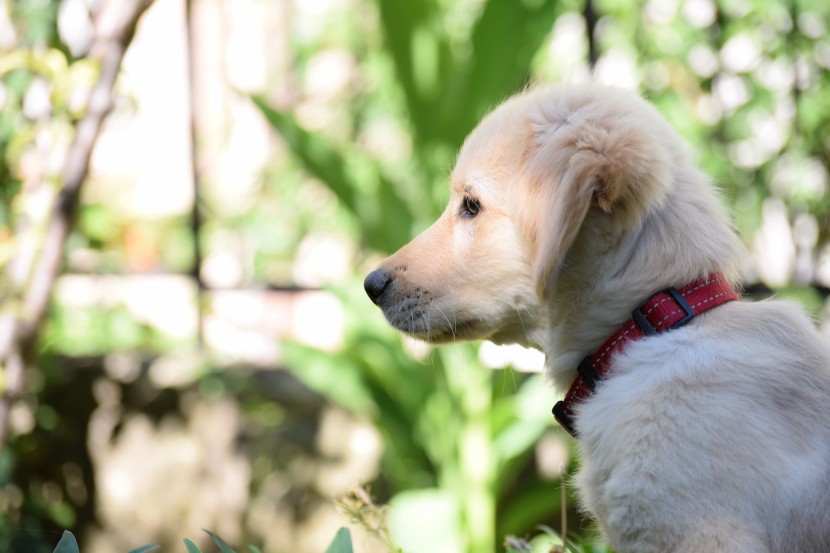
{"x":744,"y":82}
{"x":68,"y":544}
{"x":361,"y":510}
{"x":547,"y":542}
{"x":341,"y":171}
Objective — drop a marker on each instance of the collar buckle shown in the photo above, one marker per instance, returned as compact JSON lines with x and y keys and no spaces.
{"x":650,"y":329}
{"x":589,"y":373}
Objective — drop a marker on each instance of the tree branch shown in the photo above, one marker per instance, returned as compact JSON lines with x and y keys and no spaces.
{"x":115,"y":26}
{"x":590,"y":16}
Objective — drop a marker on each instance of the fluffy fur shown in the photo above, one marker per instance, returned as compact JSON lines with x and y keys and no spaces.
{"x":569,"y":206}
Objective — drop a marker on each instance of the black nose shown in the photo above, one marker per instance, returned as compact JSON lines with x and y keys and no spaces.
{"x":375,"y":283}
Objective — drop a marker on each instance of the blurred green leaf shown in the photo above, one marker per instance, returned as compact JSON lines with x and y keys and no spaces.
{"x":529,"y":507}
{"x":385,"y":219}
{"x":223,"y":547}
{"x":338,"y":379}
{"x":342,"y":542}
{"x":417,"y":43}
{"x":808,"y":297}
{"x":319,"y":157}
{"x":145,"y":549}
{"x":449,"y":89}
{"x":63,"y":514}
{"x":190,"y":546}
{"x":37,"y":20}
{"x":506,"y":37}
{"x":67,"y":544}
{"x":96,"y":221}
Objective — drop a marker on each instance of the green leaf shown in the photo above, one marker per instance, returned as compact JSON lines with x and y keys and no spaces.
{"x":448,"y":90}
{"x":223,"y":547}
{"x":318,"y":156}
{"x":384,"y":217}
{"x":338,"y":379}
{"x":146,"y":548}
{"x":414,"y":38}
{"x":191,"y":547}
{"x":254,"y":549}
{"x":68,"y":543}
{"x":532,"y":505}
{"x":342,"y":542}
{"x":544,"y":543}
{"x":505,"y":39}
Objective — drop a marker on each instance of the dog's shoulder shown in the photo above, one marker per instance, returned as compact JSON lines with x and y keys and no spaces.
{"x":769,"y":324}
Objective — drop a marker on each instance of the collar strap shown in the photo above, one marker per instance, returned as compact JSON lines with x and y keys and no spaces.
{"x":666,"y":310}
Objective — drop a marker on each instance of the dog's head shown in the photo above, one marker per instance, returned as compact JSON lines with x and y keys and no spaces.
{"x":526,"y":181}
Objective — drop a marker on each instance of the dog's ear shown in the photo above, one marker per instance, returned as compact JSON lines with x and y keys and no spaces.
{"x":588,"y":154}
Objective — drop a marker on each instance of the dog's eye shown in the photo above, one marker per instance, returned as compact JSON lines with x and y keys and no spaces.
{"x":470,"y":207}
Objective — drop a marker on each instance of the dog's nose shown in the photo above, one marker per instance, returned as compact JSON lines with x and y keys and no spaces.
{"x":375,"y":283}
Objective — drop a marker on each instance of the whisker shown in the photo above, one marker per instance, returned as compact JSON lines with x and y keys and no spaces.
{"x":522,"y":322}
{"x":452,"y":326}
{"x":428,"y":320}
{"x":513,"y":377}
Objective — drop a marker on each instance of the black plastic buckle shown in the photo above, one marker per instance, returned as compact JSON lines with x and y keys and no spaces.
{"x":560,"y":413}
{"x":589,"y":373}
{"x":646,"y":327}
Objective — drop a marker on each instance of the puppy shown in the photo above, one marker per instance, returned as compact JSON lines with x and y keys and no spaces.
{"x":704,"y":430}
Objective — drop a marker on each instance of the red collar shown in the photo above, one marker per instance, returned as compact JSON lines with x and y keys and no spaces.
{"x":664,"y":311}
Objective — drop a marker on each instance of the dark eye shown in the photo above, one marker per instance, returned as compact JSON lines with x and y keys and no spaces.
{"x":470,"y":207}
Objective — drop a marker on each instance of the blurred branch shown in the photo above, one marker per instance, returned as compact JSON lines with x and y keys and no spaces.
{"x":32,"y":271}
{"x":195,"y":168}
{"x":590,"y":15}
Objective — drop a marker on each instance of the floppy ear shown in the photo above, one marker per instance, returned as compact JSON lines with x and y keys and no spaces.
{"x":601,"y":154}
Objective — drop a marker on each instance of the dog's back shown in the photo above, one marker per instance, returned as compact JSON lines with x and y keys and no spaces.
{"x":724,"y":424}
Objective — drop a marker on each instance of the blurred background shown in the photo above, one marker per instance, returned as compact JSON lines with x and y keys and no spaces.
{"x":192,"y":191}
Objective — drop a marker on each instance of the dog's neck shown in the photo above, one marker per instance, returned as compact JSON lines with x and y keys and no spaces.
{"x":609,"y":271}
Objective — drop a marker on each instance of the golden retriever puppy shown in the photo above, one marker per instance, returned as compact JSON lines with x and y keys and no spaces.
{"x":570,"y":206}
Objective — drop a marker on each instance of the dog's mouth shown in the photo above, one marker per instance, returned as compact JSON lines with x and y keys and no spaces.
{"x":427,"y":321}
{"x":417,"y":311}
{"x":463,"y":330}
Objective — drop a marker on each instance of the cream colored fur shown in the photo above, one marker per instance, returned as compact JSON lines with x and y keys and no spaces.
{"x":714,"y":437}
